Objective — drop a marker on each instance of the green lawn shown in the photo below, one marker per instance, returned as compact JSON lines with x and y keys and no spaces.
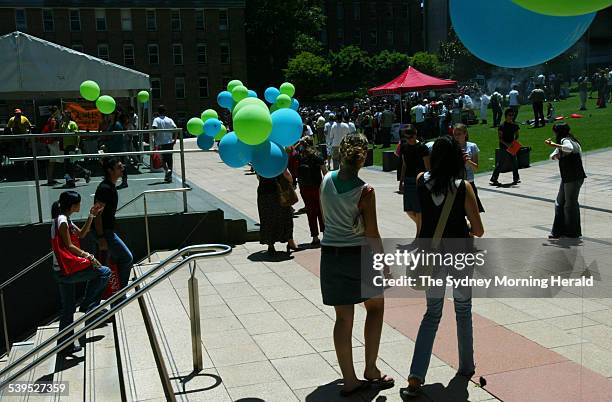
{"x":594,"y":131}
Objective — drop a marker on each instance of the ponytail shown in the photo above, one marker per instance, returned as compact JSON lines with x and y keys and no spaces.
{"x":55,"y":210}
{"x":66,"y":201}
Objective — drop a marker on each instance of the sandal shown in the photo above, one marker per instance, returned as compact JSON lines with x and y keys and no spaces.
{"x":383,"y":382}
{"x":361,"y":387}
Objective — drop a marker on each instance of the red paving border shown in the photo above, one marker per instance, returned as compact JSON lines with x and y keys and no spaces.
{"x":516,"y":368}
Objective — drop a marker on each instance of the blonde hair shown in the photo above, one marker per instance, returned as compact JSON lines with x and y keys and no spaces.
{"x":353,"y":148}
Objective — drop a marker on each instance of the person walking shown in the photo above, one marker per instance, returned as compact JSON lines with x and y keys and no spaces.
{"x":71,"y":146}
{"x":537,"y":98}
{"x":496,"y":106}
{"x":583,"y":84}
{"x":442,"y":191}
{"x":508,"y":133}
{"x":567,"y":209}
{"x":513,"y":102}
{"x":349,"y":212}
{"x":386,"y":121}
{"x":117,"y":143}
{"x":470,"y":155}
{"x":337,"y":132}
{"x":311,"y":169}
{"x":72,"y":265}
{"x":418,"y":112}
{"x":275,"y":220}
{"x":484,"y":106}
{"x":415,"y":159}
{"x":107,"y":242}
{"x":165,"y":139}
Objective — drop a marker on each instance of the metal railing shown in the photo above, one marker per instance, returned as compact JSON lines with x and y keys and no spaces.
{"x":117,"y":302}
{"x":35,"y":158}
{"x":47,"y":256}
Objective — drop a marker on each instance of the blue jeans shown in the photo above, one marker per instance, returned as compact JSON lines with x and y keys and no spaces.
{"x":427,"y":334}
{"x":96,"y":279}
{"x":119,"y":252}
{"x":567,"y":210}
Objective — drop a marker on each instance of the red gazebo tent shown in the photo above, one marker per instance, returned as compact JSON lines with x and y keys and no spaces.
{"x":411,"y":80}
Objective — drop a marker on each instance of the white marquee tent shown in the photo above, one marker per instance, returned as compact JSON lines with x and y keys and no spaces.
{"x":32,"y":68}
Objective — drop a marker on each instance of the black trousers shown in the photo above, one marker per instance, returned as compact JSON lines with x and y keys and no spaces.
{"x":167,"y":158}
{"x":497,"y":115}
{"x":538,"y":113}
{"x":385,"y":137}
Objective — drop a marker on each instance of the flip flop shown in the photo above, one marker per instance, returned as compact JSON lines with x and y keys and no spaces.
{"x":363,"y":386}
{"x":383,"y":382}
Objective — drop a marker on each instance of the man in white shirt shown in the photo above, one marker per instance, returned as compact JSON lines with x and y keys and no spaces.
{"x":164,"y":139}
{"x":337,"y":132}
{"x":418,"y":112}
{"x":484,"y":105}
{"x":513,"y":101}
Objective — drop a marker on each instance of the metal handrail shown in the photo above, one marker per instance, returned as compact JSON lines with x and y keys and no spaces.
{"x":47,"y":256}
{"x":85,"y":133}
{"x":192,"y":252}
{"x":103,"y":155}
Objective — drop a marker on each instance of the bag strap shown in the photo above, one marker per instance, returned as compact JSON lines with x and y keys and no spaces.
{"x":446,"y":209}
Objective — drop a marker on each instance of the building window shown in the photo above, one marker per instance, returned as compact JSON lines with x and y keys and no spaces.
{"x":200,"y":20}
{"x":103,"y":52}
{"x":405,"y":10}
{"x":48,"y":23}
{"x":340,"y":36}
{"x":202,"y":53}
{"x":75,"y":20}
{"x":128,"y":55}
{"x":372,"y":11}
{"x":77,"y":47}
{"x":177,"y":54}
{"x":151,"y":20}
{"x":406,"y":34}
{"x":100,"y":20}
{"x":357,"y":37}
{"x":156,"y":88}
{"x":223,"y":20}
{"x":225,"y":53}
{"x":356,"y":11}
{"x":373,"y":37}
{"x":175,"y":20}
{"x":390,"y":37}
{"x":153,"y":51}
{"x":21,"y":23}
{"x":203,"y":87}
{"x":126,"y":20}
{"x":388,"y":10}
{"x":340,"y":10}
{"x":179,"y":87}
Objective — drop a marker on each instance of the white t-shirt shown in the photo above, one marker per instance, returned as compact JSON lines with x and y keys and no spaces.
{"x":320,"y":122}
{"x":419,"y":113}
{"x":161,"y":123}
{"x":567,"y":146}
{"x":513,"y":98}
{"x":337,"y":132}
{"x":352,"y":128}
{"x":60,"y":220}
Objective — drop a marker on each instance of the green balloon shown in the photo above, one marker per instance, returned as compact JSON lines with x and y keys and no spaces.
{"x":209,"y":114}
{"x":273,"y":107}
{"x":233,"y":84}
{"x":248,"y":102}
{"x":239,"y":93}
{"x":143,"y":96}
{"x":563,"y":8}
{"x":288,"y":89}
{"x":252,"y":125}
{"x":283,"y":101}
{"x":221,"y":133}
{"x":106,"y":104}
{"x":195,"y":126}
{"x":90,"y":90}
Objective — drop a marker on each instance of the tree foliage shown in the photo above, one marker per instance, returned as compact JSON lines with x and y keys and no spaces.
{"x":462,"y":64}
{"x":428,"y":63}
{"x":309,"y":72}
{"x":387,"y":65}
{"x":349,"y":67}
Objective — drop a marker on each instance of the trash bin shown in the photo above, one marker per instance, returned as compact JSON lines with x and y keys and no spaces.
{"x":369,"y":158}
{"x":390,"y":161}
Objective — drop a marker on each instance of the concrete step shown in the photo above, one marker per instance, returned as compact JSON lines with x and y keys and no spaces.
{"x":18,"y":349}
{"x":45,"y":371}
{"x":103,"y":380}
{"x":70,"y":369}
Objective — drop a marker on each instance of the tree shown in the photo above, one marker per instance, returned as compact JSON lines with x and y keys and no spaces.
{"x":462,"y":64}
{"x":309,"y":73}
{"x":306,"y":43}
{"x":428,"y":63}
{"x":387,"y":65}
{"x":349,"y":66}
{"x":272,"y":27}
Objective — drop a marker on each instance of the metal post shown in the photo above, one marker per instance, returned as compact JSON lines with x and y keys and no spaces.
{"x":37,"y":180}
{"x":194,"y":316}
{"x":146,"y":218}
{"x":4,"y":326}
{"x":183,"y":169}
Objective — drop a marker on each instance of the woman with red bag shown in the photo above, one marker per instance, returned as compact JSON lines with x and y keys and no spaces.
{"x":71,"y":265}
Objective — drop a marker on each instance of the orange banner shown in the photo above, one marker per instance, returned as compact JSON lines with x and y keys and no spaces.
{"x":86,"y":119}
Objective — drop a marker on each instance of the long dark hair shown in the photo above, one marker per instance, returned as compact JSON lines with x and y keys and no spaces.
{"x":447,"y":164}
{"x":562,"y":130}
{"x":66,"y":201}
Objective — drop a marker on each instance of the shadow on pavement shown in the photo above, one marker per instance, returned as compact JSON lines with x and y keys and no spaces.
{"x":263,"y":256}
{"x":331,"y":393}
{"x":455,"y":391}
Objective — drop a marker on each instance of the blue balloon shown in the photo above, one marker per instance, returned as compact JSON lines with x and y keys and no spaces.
{"x":233,"y":152}
{"x":205,"y":142}
{"x":287,"y":127}
{"x":271,"y":94}
{"x":212,"y":127}
{"x":501,"y":32}
{"x":224,"y":99}
{"x":269,"y":159}
{"x":295,"y":105}
{"x":252,"y":94}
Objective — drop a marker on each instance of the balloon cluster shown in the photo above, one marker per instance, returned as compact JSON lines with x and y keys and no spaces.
{"x":90,"y":90}
{"x":521,"y":33}
{"x":207,"y":128}
{"x":261,"y":133}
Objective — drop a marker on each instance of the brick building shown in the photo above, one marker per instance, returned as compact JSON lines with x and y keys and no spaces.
{"x":374,"y":25}
{"x":190,"y":48}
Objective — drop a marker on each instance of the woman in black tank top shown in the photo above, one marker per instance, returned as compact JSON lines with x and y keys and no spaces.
{"x":433,"y":188}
